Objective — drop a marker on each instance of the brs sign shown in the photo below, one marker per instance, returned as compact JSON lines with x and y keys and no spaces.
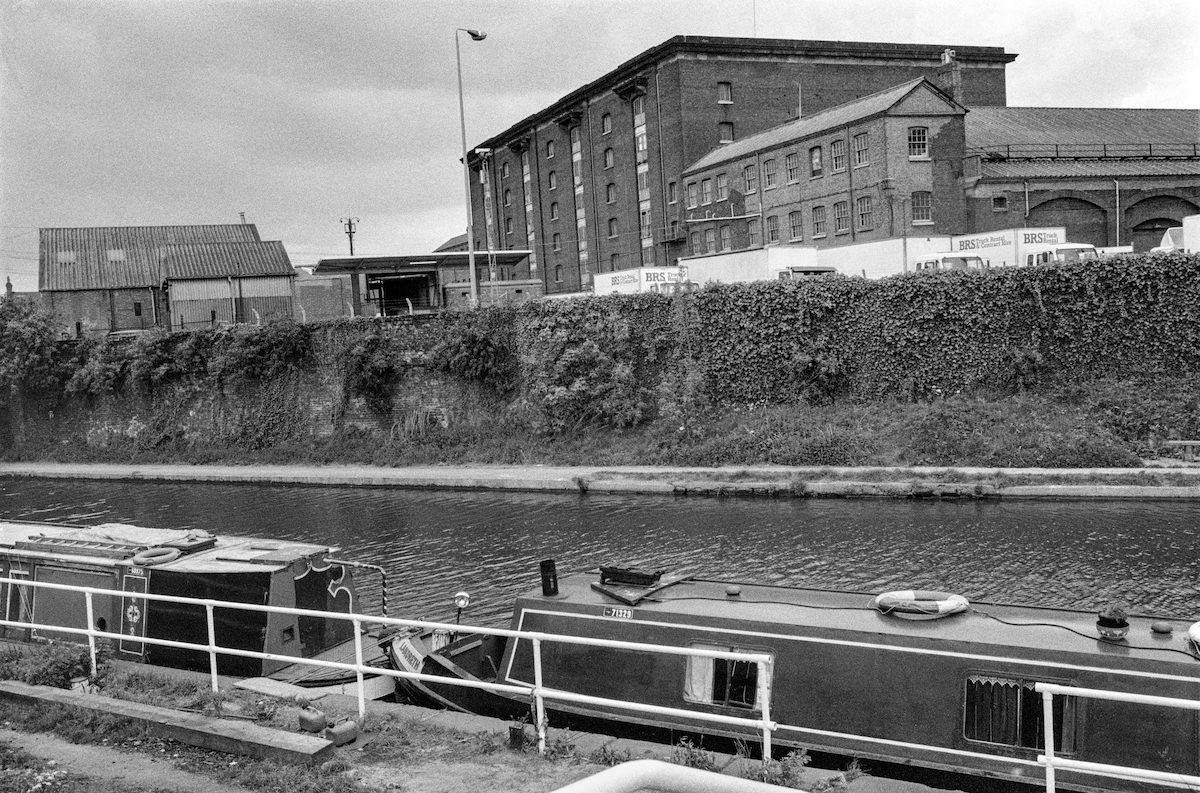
{"x":1040,"y":237}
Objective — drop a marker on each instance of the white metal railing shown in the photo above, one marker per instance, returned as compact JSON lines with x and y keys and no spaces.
{"x":1052,"y":762}
{"x":538,"y":692}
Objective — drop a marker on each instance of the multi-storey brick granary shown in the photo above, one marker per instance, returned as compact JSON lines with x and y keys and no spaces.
{"x":603,"y":179}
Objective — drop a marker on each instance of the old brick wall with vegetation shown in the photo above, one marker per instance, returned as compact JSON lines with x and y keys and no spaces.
{"x":1096,"y":358}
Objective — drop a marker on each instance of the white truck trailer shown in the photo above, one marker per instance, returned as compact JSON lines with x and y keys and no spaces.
{"x":639,"y":279}
{"x":1022,"y":247}
{"x":895,"y":255}
{"x":772,"y":263}
{"x":1181,"y":239}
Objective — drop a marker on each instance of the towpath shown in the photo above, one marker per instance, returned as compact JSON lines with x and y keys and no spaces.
{"x":1165,"y":479}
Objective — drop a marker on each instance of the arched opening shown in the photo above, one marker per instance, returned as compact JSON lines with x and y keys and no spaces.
{"x":1150,"y":218}
{"x":1084,"y":221}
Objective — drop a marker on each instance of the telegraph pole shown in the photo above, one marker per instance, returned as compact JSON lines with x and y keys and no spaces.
{"x":349,"y":223}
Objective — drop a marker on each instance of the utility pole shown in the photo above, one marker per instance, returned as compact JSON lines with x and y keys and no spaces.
{"x":349,"y":222}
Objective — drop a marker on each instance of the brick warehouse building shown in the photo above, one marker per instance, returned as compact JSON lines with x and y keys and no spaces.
{"x":592,"y":182}
{"x":596,"y":181}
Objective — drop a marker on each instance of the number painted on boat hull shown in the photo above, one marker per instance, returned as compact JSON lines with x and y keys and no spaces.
{"x":618,"y":614}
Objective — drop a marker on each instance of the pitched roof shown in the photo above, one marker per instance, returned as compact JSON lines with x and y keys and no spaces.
{"x":453,"y":244}
{"x":1030,"y":169}
{"x":718,"y":46}
{"x":225,"y":259}
{"x":801,"y":128}
{"x":119,"y":257}
{"x":989,"y":128}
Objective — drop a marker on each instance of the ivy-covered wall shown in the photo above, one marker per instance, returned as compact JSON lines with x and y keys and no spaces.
{"x":614,"y":361}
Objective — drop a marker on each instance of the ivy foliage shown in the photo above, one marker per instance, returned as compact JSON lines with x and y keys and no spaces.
{"x":31,"y":361}
{"x":372,"y":367}
{"x":481,"y":346}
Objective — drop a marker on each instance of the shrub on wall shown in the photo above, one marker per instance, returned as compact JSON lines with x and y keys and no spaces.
{"x":479,"y":345}
{"x":372,"y":367}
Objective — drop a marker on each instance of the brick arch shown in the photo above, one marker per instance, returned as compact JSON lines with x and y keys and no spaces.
{"x":1150,"y":217}
{"x":1085,"y":221}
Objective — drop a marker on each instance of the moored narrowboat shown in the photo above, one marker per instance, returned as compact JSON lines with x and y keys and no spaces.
{"x":132,"y":561}
{"x":914,"y":678}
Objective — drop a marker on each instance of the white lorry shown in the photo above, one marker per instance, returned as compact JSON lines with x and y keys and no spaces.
{"x":639,"y":279}
{"x":1181,"y":239}
{"x":895,"y":255}
{"x":772,"y":263}
{"x":1022,"y":247}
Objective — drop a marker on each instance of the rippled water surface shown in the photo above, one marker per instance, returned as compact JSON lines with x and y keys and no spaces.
{"x":433,"y":543}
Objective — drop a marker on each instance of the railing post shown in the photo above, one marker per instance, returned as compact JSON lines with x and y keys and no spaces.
{"x":1048,"y":724}
{"x":212,"y":646}
{"x":91,"y":630}
{"x":539,"y":711}
{"x":358,"y":671}
{"x":764,"y":698}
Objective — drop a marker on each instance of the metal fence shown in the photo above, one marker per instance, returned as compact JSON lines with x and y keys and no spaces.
{"x":1053,"y":762}
{"x":538,"y":692}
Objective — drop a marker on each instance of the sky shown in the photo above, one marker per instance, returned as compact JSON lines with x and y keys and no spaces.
{"x":300,"y":114}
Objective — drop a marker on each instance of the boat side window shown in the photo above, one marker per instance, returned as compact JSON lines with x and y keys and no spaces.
{"x":1007,"y":711}
{"x":722,"y":681}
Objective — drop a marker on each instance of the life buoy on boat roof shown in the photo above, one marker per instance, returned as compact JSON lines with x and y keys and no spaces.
{"x":157,"y":555}
{"x":919,"y":602}
{"x":1194,"y":636}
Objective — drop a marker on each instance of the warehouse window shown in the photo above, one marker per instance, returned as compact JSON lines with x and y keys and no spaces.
{"x":710,"y":240}
{"x":614,"y":262}
{"x":726,"y":238}
{"x":508,"y":226}
{"x":504,"y":170}
{"x":507,"y":197}
{"x":612,"y":227}
{"x":706,"y":192}
{"x":841,"y":217}
{"x":696,"y":244}
{"x":772,"y":229}
{"x":672,"y":193}
{"x":606,"y":123}
{"x":554,"y":210}
{"x":608,"y":158}
{"x":557,"y":242}
{"x":552,"y":180}
{"x":610,"y":193}
{"x":725,"y":130}
{"x":768,"y":174}
{"x":725,"y":93}
{"x":755,"y":232}
{"x":818,"y":214}
{"x":862,"y":149}
{"x":1000,"y":203}
{"x":558,"y":273}
{"x":722,"y":186}
{"x":549,"y":150}
{"x":922,"y":207}
{"x":865,"y":209}
{"x":795,"y":226}
{"x":918,"y":143}
{"x":792,"y":163}
{"x":693,"y":195}
{"x":750,"y":178}
{"x":837,"y":152}
{"x":814,"y":158}
{"x":137,"y":309}
{"x":1009,"y":712}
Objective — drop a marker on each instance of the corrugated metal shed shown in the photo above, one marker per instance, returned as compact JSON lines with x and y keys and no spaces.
{"x":989,"y":127}
{"x":226,"y":259}
{"x":119,"y":257}
{"x":1048,"y":169}
{"x":801,"y":128}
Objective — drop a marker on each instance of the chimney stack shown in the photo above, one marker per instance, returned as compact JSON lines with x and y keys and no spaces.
{"x":948,"y":76}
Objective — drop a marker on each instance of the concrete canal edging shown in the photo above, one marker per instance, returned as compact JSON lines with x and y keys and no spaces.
{"x":1181,"y":481}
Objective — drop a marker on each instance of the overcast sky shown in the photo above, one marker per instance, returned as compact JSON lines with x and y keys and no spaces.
{"x":303,"y":113}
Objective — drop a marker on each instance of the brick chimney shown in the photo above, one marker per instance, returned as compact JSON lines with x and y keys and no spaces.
{"x":948,"y":76}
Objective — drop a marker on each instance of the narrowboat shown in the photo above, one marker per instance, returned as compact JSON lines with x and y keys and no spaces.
{"x":132,"y":561}
{"x":920,"y":679}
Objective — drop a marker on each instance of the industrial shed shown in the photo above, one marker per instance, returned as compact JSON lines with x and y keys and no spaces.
{"x":227,"y":283}
{"x":102,"y":280}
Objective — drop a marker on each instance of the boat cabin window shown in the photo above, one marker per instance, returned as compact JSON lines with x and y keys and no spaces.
{"x":1008,"y":711}
{"x":324,"y":589}
{"x":722,"y":681}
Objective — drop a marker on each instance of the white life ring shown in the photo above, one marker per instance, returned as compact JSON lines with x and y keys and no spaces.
{"x":157,"y":555}
{"x":921,"y":603}
{"x":1194,"y":636}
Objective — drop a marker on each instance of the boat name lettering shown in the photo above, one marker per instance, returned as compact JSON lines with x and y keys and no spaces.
{"x":408,"y":656}
{"x":619,"y":614}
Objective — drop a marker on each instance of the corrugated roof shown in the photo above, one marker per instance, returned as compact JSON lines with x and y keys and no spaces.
{"x":119,"y":257}
{"x":817,"y":123}
{"x":225,"y":259}
{"x":990,"y":127}
{"x":416,"y":261}
{"x":1029,"y":169}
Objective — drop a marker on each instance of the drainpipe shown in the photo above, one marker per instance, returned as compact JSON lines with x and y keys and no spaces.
{"x":1118,"y":223}
{"x":1025,"y":184}
{"x":153,"y":305}
{"x":762,"y":200}
{"x":232,"y":302}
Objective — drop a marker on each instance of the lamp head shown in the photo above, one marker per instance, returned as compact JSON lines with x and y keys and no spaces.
{"x":462,"y":599}
{"x":477,"y":35}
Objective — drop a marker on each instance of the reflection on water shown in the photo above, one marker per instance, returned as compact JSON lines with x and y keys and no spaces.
{"x":433,"y":543}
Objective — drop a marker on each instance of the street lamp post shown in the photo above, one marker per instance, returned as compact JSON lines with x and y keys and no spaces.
{"x":476,"y":35}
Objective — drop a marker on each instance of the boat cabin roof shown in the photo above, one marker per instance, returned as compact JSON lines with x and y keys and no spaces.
{"x":113,"y":544}
{"x":748,"y":610}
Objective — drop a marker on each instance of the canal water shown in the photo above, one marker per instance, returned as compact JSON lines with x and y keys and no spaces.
{"x":433,"y":543}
